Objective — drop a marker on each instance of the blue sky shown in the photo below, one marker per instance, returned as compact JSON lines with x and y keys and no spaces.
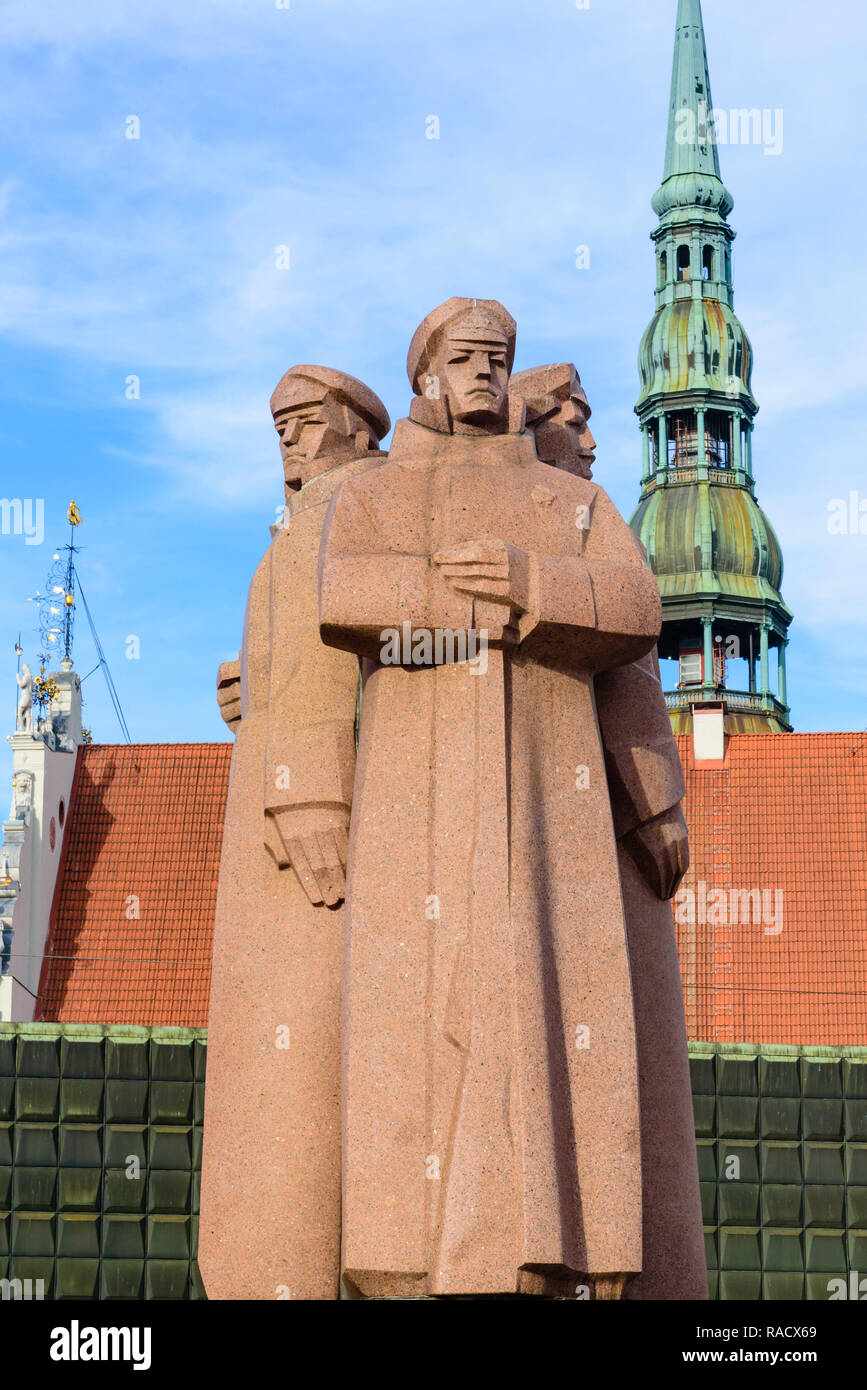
{"x":262,"y":127}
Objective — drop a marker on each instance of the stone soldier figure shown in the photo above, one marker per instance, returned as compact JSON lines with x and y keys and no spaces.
{"x":558,"y":413}
{"x":270,"y":1208}
{"x":646,"y":783}
{"x":490,"y":1077}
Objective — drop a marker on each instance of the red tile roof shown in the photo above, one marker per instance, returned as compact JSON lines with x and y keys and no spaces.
{"x":146,"y":823}
{"x":786,"y":814}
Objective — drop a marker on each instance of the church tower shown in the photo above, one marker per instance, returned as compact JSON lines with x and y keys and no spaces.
{"x":714,"y":553}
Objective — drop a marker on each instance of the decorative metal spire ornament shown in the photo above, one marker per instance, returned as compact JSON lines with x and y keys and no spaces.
{"x":57,"y":604}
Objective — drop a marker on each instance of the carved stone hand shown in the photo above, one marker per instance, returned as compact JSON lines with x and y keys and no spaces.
{"x":488,"y":569}
{"x":229,"y":692}
{"x":314,"y":840}
{"x":660,"y":849}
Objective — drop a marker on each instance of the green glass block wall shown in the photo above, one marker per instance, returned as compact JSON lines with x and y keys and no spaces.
{"x":782,"y":1152}
{"x":101,"y":1142}
{"x":100,"y":1154}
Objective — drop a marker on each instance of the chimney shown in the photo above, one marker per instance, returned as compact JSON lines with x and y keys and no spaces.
{"x":708,"y":734}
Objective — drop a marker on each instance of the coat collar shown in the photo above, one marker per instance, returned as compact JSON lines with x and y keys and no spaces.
{"x":416,"y":446}
{"x":321,"y":488}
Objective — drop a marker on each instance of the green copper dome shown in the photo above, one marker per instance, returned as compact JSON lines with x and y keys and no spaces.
{"x":692,"y":190}
{"x":703,"y":539}
{"x":695,"y":343}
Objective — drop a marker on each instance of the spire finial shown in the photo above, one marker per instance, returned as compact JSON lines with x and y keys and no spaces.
{"x":691,"y":155}
{"x":691,"y":146}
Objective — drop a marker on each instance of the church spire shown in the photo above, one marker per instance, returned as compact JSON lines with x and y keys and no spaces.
{"x":691,"y":102}
{"x":711,"y":547}
{"x":691,"y":176}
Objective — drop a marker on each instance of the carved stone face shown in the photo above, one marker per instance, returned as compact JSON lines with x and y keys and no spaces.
{"x":564,"y":437}
{"x":313,"y":425}
{"x":23,"y":789}
{"x":473,"y":377}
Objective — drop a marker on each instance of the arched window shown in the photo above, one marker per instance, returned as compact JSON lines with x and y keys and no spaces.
{"x":663,"y":269}
{"x":707,"y":263}
{"x":683,"y":259}
{"x":718,"y":426}
{"x":682,"y":440}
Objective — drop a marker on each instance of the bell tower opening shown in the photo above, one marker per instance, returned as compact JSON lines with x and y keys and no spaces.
{"x":682,"y":440}
{"x":718,"y":428}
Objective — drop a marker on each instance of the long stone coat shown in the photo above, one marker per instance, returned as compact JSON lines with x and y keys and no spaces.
{"x":646,"y":779}
{"x":270,"y":1206}
{"x":490,"y":1088}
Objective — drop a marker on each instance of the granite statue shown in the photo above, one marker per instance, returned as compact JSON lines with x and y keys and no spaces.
{"x":490,"y":1071}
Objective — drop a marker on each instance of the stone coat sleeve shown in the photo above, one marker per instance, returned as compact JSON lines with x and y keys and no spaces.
{"x":310,"y":747}
{"x":645,"y":775}
{"x":255,"y":656}
{"x":600,"y":609}
{"x":366,"y":588}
